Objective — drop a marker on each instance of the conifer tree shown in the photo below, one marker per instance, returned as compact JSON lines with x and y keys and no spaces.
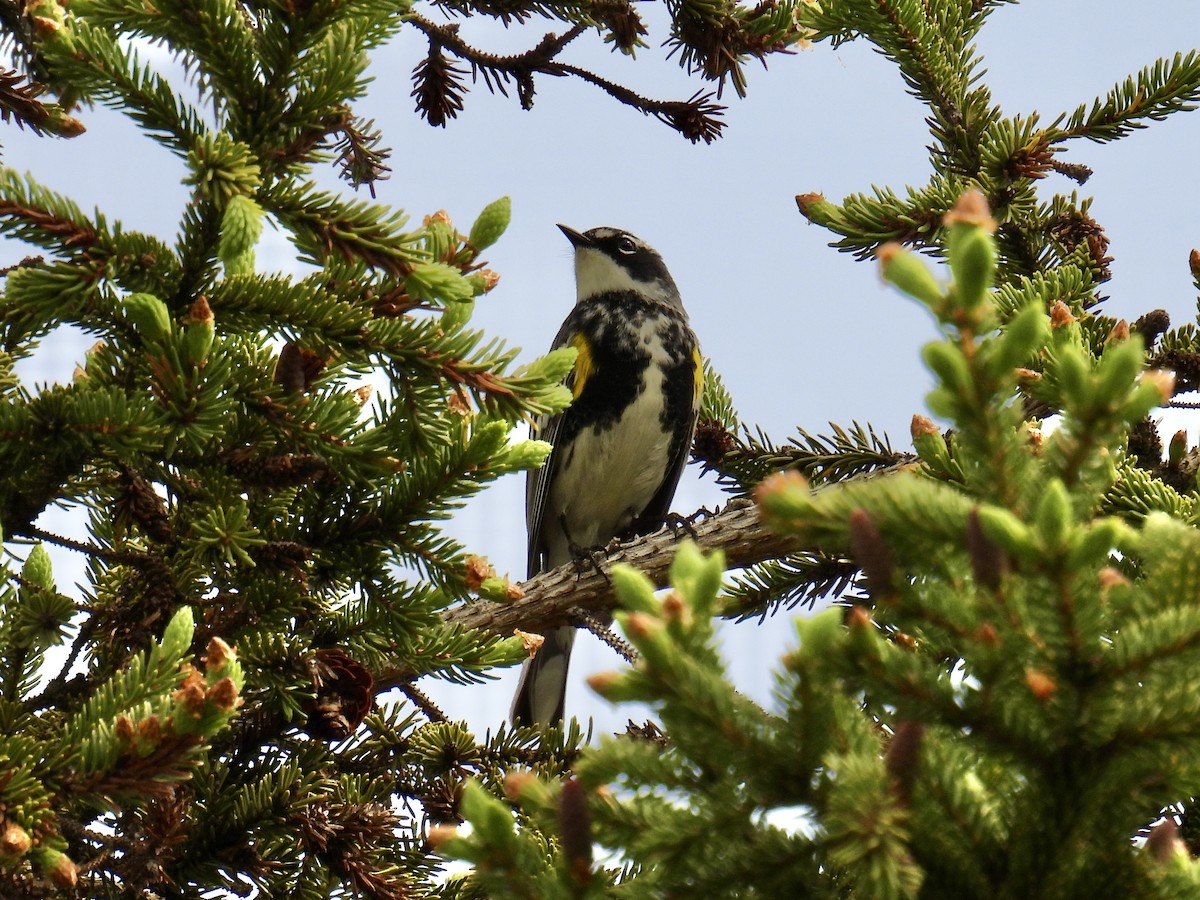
{"x":217,"y":710}
{"x":1003,"y":705}
{"x":1003,"y":702}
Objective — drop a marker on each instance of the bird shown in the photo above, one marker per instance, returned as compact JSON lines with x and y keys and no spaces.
{"x":620,"y":447}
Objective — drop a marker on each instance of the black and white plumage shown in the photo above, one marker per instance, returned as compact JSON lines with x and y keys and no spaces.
{"x":620,"y":448}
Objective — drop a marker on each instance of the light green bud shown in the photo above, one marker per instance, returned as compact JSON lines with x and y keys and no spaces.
{"x":619,"y":687}
{"x":930,"y":444}
{"x":438,"y":281}
{"x":492,"y":222}
{"x":489,"y":438}
{"x":820,"y":637}
{"x":944,"y":402}
{"x":439,"y":235}
{"x":817,"y":209}
{"x":971,"y":252}
{"x":242,"y":264}
{"x":149,"y":316}
{"x":241,"y":226}
{"x":489,"y":816}
{"x":1092,"y":545}
{"x":1117,"y":370}
{"x":947,"y":362}
{"x":555,"y":365}
{"x":223,"y":168}
{"x":529,"y":454}
{"x":198,"y":332}
{"x":1072,"y":372}
{"x":496,"y":588}
{"x":1019,"y":340}
{"x":698,"y":577}
{"x":1153,"y":389}
{"x":905,"y":270}
{"x":633,"y":589}
{"x":177,"y":636}
{"x":456,"y":314}
{"x":1053,"y":517}
{"x":785,"y":498}
{"x":1006,"y":531}
{"x":558,"y":397}
{"x":37,"y":569}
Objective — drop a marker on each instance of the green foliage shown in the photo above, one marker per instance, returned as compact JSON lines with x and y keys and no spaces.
{"x":237,"y":472}
{"x":1005,"y":701}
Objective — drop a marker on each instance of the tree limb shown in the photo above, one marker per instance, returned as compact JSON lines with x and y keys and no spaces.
{"x":440,"y":87}
{"x":737,"y":530}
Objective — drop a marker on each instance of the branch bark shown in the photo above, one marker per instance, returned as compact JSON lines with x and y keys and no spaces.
{"x":737,"y":530}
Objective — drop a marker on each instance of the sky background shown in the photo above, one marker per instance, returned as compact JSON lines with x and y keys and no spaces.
{"x":802,"y":335}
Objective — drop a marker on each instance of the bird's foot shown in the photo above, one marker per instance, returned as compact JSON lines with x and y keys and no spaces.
{"x":589,"y":559}
{"x":681,"y":526}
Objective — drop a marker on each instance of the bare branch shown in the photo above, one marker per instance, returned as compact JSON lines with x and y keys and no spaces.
{"x":439,"y":88}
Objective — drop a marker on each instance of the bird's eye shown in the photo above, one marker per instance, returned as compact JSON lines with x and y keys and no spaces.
{"x":627,"y":246}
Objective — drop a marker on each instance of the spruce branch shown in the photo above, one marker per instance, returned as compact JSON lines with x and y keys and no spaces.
{"x":326,"y":226}
{"x":104,"y":69}
{"x":361,"y":160}
{"x":716,"y":39}
{"x":743,"y":460}
{"x":796,"y":580}
{"x":439,"y":87}
{"x":868,"y":222}
{"x":697,"y":118}
{"x":421,"y":700}
{"x":19,"y":102}
{"x":931,"y":46}
{"x":34,"y":214}
{"x":1157,"y":91}
{"x":248,"y":484}
{"x":618,"y":18}
{"x":737,"y":530}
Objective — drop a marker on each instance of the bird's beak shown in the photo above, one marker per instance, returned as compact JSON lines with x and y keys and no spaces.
{"x":577,"y":238}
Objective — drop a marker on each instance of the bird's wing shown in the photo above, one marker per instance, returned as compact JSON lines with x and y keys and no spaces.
{"x":537,"y":485}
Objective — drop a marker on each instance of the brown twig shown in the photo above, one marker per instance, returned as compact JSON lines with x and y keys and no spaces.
{"x":598,"y":625}
{"x":439,"y":88}
{"x":420,"y":700}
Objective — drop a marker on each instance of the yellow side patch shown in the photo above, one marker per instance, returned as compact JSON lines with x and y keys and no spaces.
{"x":697,"y":377}
{"x":585,"y":365}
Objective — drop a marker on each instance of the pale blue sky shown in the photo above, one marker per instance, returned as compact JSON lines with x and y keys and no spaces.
{"x":801,"y":333}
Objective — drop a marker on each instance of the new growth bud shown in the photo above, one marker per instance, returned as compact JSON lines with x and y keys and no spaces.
{"x":241,"y":226}
{"x":492,"y":222}
{"x":970,"y":248}
{"x":815,"y":208}
{"x":149,"y":316}
{"x":906,"y":271}
{"x":37,"y":570}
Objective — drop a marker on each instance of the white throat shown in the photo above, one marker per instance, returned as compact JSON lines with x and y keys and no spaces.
{"x":596,"y":273}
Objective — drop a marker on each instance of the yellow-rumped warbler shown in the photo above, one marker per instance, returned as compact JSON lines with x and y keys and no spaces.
{"x":621,"y":446}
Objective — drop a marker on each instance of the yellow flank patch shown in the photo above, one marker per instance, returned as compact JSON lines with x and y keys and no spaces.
{"x":697,"y":376}
{"x":584,"y":364}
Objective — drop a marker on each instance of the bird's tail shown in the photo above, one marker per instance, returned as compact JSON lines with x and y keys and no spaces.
{"x":542,"y":692}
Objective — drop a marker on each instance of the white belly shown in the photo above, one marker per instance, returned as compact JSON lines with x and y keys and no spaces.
{"x":614,"y":474}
